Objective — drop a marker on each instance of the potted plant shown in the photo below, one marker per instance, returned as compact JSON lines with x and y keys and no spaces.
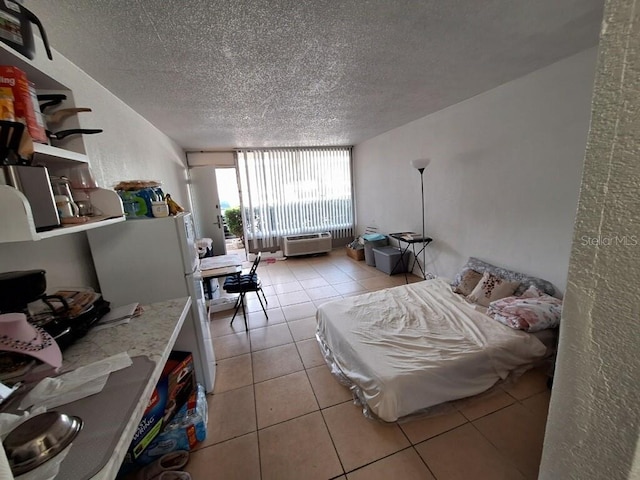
{"x":234,"y":221}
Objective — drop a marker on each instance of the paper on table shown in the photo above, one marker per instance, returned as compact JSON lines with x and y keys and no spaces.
{"x":220,"y":261}
{"x":5,"y":391}
{"x":74,"y":385}
{"x":117,"y":316}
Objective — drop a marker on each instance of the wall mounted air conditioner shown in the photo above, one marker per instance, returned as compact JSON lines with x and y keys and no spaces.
{"x":306,"y":244}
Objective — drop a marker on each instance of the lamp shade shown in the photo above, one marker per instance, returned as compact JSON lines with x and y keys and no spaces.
{"x":420,"y":163}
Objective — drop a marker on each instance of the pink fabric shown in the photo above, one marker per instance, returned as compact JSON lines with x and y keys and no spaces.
{"x":530,"y":312}
{"x":531,"y":292}
{"x":19,"y":336}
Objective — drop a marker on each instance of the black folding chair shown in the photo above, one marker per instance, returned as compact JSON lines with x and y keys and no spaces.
{"x":244,"y":283}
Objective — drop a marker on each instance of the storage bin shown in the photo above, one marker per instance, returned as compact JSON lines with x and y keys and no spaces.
{"x":355,"y":253}
{"x":369,"y":257}
{"x":388,"y":260}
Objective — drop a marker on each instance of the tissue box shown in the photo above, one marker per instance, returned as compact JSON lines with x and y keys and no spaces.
{"x":188,"y":428}
{"x":174,"y":388}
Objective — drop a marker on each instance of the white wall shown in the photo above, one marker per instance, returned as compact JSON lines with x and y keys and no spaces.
{"x":129,"y":148}
{"x":504,"y":179}
{"x":593,"y":429}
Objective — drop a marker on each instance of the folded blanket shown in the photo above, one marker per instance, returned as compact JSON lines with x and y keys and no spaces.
{"x":530,"y":314}
{"x":372,"y":237}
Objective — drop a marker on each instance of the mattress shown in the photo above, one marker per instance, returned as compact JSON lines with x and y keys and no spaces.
{"x":415,"y":346}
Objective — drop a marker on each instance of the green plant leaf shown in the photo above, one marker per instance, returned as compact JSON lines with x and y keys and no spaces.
{"x":234,"y":221}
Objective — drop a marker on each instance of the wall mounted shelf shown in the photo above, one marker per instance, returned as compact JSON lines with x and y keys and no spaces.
{"x":17,"y":220}
{"x":54,"y":157}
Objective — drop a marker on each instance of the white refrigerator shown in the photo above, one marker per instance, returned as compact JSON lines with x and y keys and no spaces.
{"x":152,"y":260}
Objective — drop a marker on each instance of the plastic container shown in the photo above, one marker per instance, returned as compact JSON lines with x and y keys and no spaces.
{"x":388,"y":260}
{"x":139,"y":203}
{"x":160,"y":209}
{"x":369,"y":257}
{"x":66,"y":208}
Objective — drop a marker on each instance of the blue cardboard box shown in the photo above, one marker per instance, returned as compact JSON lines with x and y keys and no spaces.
{"x":177,"y":383}
{"x":184,"y":432}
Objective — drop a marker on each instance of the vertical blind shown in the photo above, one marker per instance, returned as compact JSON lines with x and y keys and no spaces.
{"x":288,"y":191}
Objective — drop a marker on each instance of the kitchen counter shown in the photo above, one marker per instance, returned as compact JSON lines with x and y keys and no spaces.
{"x":153,"y":334}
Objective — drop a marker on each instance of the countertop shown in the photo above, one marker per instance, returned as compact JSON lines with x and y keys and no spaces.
{"x":153,"y":335}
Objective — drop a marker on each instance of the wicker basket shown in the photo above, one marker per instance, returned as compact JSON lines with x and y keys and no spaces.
{"x":355,"y":254}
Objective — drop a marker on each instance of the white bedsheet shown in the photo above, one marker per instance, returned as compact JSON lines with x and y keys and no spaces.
{"x":419,"y":345}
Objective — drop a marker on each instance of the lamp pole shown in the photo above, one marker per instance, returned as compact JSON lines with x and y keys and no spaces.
{"x":420,"y":164}
{"x":424,"y":264}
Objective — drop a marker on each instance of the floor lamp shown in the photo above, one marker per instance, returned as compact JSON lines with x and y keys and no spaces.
{"x":421,"y":164}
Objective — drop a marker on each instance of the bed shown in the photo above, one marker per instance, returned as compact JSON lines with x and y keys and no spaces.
{"x":408,"y":348}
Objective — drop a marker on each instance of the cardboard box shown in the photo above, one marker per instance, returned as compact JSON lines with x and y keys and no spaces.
{"x":184,"y":432}
{"x":356,"y":254}
{"x":25,"y":103}
{"x":176,"y":385}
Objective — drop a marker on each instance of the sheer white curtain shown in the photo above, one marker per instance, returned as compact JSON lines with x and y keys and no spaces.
{"x":295,"y":190}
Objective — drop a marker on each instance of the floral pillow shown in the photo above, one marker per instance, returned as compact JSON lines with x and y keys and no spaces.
{"x":491,"y":288}
{"x":529,"y":313}
{"x":468,"y":282}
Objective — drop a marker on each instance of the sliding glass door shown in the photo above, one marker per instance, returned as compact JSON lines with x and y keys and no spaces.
{"x":289,"y":191}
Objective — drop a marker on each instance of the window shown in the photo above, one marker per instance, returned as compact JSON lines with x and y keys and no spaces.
{"x":289,"y":191}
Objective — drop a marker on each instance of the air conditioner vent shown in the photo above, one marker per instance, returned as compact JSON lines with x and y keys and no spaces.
{"x":306,"y":244}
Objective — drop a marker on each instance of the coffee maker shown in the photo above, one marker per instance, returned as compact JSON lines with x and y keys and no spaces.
{"x":66,"y":315}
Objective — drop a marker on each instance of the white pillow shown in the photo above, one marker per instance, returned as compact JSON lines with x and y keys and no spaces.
{"x":491,"y":288}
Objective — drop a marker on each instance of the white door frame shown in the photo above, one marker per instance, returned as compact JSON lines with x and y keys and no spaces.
{"x":206,"y":206}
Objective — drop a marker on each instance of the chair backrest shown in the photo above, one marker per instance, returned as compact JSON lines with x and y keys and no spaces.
{"x":254,"y":267}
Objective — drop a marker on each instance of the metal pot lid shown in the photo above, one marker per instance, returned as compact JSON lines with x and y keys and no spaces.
{"x":39,"y":439}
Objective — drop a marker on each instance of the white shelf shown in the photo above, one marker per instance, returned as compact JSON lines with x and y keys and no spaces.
{"x":94,"y":222}
{"x":17,"y":220}
{"x":54,"y":157}
{"x":42,"y":80}
{"x":41,"y":75}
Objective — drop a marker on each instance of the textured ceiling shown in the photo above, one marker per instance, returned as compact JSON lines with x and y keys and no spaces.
{"x":240,"y":73}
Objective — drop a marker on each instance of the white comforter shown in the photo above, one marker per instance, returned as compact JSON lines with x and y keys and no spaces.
{"x":415,"y":346}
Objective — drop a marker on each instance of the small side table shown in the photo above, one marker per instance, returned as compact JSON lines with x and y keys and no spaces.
{"x":217,"y":267}
{"x":409,"y":239}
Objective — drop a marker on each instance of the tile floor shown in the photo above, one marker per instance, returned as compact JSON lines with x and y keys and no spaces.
{"x":277,"y":413}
